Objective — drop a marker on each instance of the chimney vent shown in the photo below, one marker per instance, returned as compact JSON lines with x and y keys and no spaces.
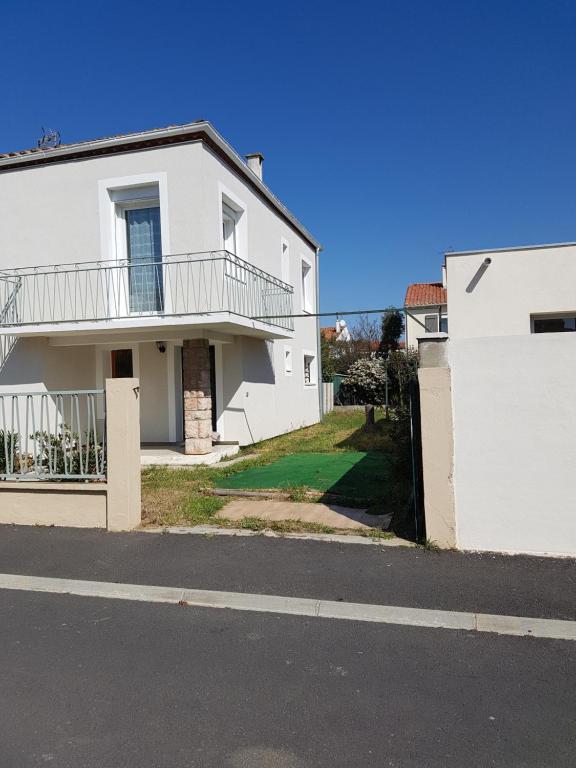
{"x":255,"y":162}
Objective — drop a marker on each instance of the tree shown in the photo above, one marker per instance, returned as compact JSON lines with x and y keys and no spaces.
{"x":401,"y":368}
{"x":366,"y":335}
{"x":328,"y":359}
{"x":392,"y":327}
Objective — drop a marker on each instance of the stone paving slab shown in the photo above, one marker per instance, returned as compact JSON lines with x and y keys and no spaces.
{"x":331,"y":515}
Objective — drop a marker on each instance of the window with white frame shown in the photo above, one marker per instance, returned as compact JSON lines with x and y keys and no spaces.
{"x":309,"y":369}
{"x":229,"y":229}
{"x":139,"y":247}
{"x":288,"y":361}
{"x":230,"y":218}
{"x":431,"y":323}
{"x":443,"y":323}
{"x":285,"y":261}
{"x":306,"y":286}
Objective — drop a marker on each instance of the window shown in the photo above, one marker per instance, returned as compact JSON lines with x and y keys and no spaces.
{"x":234,"y":266}
{"x":288,"y":361}
{"x":561,"y":324}
{"x":443,"y":323}
{"x":144,"y":255}
{"x":431,"y":323}
{"x":285,"y":262}
{"x":306,"y":286}
{"x":229,"y":229}
{"x":309,"y":369}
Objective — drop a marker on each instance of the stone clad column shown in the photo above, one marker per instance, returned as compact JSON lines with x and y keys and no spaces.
{"x":197,"y":396}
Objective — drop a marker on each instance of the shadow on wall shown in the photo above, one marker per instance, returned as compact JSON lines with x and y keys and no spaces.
{"x":32,"y":362}
{"x":258,"y":361}
{"x":7,"y":344}
{"x":478,"y":276}
{"x":21,"y":362}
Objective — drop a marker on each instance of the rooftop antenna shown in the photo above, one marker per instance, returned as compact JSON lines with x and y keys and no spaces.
{"x":50,"y":138}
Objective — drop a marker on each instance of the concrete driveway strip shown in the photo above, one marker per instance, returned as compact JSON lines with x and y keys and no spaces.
{"x":278,"y":604}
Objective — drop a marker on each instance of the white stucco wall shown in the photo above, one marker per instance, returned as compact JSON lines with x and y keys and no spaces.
{"x":260,"y":400}
{"x":498,"y":300}
{"x":34,"y":366}
{"x":54,"y":214}
{"x":51,"y":214}
{"x":415,"y":321}
{"x":514,"y":414}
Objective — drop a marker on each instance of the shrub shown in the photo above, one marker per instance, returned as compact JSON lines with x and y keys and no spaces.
{"x":366,"y":382}
{"x":8,"y":451}
{"x":65,"y":453}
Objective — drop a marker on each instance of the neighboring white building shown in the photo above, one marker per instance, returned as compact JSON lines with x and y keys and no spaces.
{"x":118,"y":254}
{"x":425,"y":310}
{"x":498,"y":405}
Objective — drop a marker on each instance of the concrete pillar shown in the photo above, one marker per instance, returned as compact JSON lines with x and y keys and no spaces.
{"x":197,"y":396}
{"x":123,"y":454}
{"x":434,"y":377}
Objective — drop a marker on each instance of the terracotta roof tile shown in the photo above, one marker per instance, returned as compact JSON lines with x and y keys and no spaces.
{"x":425,"y":295}
{"x":328,"y":333}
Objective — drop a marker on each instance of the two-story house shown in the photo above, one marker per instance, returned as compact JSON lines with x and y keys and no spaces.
{"x":164,"y":256}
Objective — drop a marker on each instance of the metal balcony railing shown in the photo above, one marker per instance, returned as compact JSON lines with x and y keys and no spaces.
{"x":184,"y":284}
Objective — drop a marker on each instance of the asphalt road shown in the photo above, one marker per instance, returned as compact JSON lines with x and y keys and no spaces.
{"x":91,"y":683}
{"x":521,"y":586}
{"x":88,"y":682}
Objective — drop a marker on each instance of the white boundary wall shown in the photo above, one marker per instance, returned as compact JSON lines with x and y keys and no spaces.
{"x":514,"y":414}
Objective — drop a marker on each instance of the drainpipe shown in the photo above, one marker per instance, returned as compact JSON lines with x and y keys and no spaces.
{"x":318,"y":340}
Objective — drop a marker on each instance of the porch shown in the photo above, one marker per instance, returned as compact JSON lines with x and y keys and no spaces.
{"x":173,"y":455}
{"x":165,"y":321}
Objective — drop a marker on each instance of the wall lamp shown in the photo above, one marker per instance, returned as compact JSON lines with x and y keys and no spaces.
{"x":161,"y":347}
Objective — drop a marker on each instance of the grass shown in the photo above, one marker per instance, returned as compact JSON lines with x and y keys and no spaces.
{"x":357,"y":475}
{"x":183,"y":496}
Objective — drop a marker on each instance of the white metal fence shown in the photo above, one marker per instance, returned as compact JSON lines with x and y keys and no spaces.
{"x":184,"y":284}
{"x":52,"y":435}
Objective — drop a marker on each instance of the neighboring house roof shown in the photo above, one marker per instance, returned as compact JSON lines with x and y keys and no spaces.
{"x":328,"y":333}
{"x":200,"y":130}
{"x":425,"y":295}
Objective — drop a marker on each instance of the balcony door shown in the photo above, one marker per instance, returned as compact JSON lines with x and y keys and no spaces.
{"x":144,"y":255}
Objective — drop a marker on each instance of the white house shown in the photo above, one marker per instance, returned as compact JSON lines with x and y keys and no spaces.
{"x":162,"y":255}
{"x":498,"y":406}
{"x":425,"y":310}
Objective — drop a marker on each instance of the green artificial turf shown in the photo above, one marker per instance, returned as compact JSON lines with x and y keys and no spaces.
{"x":350,"y":473}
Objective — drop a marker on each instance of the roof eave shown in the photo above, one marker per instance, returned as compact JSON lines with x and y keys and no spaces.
{"x":159,"y":133}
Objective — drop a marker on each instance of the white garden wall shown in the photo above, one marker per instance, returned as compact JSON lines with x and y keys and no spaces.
{"x":514,"y":413}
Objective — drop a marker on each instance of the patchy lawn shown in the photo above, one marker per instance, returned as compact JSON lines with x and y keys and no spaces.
{"x":363,"y":467}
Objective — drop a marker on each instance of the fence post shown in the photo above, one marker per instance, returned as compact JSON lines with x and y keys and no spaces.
{"x":123,"y":454}
{"x":437,"y":441}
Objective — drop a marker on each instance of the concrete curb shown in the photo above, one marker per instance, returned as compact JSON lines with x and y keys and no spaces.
{"x":296,"y":606}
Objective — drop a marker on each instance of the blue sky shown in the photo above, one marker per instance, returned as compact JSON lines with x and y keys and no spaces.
{"x":393,"y":130}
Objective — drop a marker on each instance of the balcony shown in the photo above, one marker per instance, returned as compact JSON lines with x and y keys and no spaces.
{"x":214,"y":289}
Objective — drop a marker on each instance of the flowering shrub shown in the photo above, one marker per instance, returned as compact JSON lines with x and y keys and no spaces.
{"x":366,"y":382}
